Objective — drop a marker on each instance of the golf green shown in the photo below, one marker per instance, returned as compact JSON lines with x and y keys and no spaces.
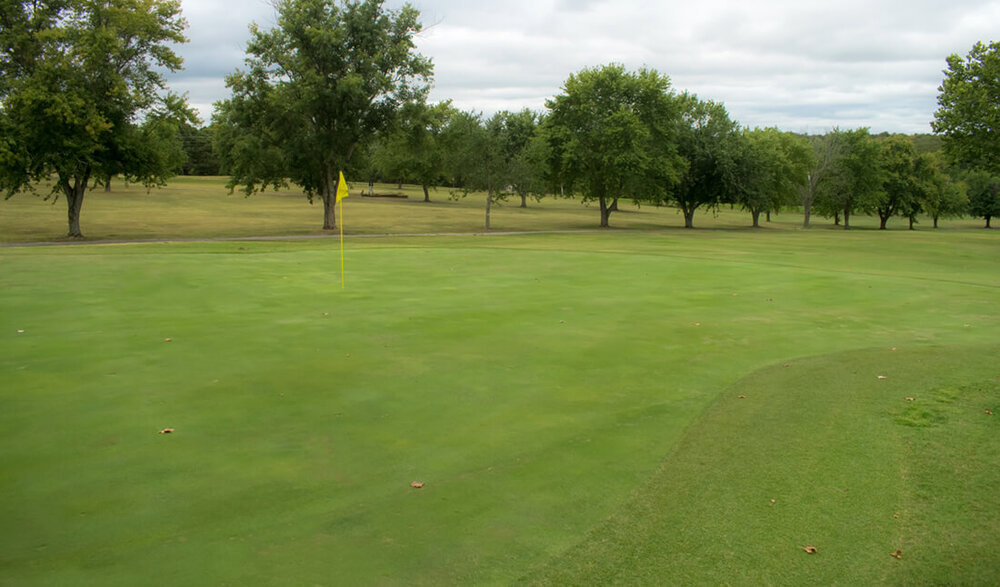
{"x":536,"y":385}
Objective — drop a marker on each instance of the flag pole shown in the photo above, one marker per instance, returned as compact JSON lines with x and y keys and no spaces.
{"x":340,"y":204}
{"x":341,"y":194}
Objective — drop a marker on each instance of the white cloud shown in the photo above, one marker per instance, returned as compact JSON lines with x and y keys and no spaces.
{"x":792,"y":64}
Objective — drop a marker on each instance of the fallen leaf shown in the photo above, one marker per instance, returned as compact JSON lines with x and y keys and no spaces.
{"x":743,"y":397}
{"x":810,"y":549}
{"x":417,"y":484}
{"x":736,"y":294}
{"x":895,"y":516}
{"x":911,"y":399}
{"x":167,"y":431}
{"x":897,"y":554}
{"x":697,"y":323}
{"x":894,"y":348}
{"x":968,"y":325}
{"x":20,"y":332}
{"x":881,"y":376}
{"x":989,"y":412}
{"x":770,"y":299}
{"x":166,"y":340}
{"x":774,"y":501}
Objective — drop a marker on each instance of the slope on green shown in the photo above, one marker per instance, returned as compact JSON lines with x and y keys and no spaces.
{"x":883,"y":461}
{"x":531,"y":382}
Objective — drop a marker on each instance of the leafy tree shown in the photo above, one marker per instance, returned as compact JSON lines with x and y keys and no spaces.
{"x":855,"y":179}
{"x":77,"y":78}
{"x":413,"y":148}
{"x":984,"y":194}
{"x":943,"y":197}
{"x":319,"y":86}
{"x":770,"y":169}
{"x":611,"y":134}
{"x":900,"y":183}
{"x":969,"y":108}
{"x":707,"y":143}
{"x":521,"y":155}
{"x":487,"y":155}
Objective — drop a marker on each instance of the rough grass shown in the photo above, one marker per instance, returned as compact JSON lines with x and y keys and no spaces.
{"x":200,"y":207}
{"x":541,"y":386}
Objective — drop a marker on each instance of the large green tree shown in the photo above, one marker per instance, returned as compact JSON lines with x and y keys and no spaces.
{"x":969,"y":107}
{"x":855,"y":179}
{"x":708,"y":143}
{"x":902,"y":179}
{"x":322,"y":83}
{"x":82,"y":95}
{"x":770,"y":169}
{"x":611,"y":134}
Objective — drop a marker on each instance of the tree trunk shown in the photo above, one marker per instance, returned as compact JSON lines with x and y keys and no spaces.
{"x":847,"y":219}
{"x":107,"y":185}
{"x":808,"y":212}
{"x":767,"y":218}
{"x":427,"y":194}
{"x":328,"y":193}
{"x":755,"y":214}
{"x":524,"y":200}
{"x":935,"y":221}
{"x":988,"y":221}
{"x":912,"y":222}
{"x":606,"y":211}
{"x":836,"y":218}
{"x":74,"y":200}
{"x":882,"y":220}
{"x":688,"y":216}
{"x":489,"y":204}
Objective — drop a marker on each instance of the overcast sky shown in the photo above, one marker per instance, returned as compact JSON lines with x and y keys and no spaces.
{"x":800,"y":65}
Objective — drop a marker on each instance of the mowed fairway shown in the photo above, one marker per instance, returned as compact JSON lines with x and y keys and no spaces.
{"x":570,"y":402}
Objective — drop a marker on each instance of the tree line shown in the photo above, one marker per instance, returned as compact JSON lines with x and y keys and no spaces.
{"x":338,"y":85}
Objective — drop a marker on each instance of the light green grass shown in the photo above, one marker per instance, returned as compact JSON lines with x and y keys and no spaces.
{"x":539,"y":385}
{"x":200,"y":207}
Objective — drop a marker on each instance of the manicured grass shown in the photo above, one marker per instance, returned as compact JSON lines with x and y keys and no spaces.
{"x":820,"y":452}
{"x":557,"y":394}
{"x":200,"y":207}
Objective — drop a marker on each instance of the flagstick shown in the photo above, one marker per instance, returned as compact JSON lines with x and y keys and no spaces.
{"x":340,"y":204}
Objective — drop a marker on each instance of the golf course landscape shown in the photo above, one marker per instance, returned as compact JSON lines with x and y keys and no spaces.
{"x":546,"y":403}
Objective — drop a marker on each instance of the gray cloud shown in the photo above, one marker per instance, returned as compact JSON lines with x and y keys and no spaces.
{"x":792,"y":64}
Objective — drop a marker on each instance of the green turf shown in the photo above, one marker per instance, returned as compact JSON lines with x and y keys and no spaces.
{"x":539,"y":386}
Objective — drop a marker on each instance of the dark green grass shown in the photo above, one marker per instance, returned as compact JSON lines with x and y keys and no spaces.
{"x":531,"y":382}
{"x":820,"y":452}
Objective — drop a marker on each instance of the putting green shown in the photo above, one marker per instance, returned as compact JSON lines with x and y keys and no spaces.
{"x":532,"y":383}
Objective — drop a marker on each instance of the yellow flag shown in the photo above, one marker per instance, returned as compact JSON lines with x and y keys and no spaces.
{"x":342,"y":188}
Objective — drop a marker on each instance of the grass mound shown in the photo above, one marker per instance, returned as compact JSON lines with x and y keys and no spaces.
{"x":821,"y":452}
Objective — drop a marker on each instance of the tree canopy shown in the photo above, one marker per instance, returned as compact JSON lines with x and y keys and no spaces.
{"x":81,"y":95}
{"x":969,"y":108}
{"x":611,"y":133}
{"x":707,"y":144}
{"x":325,"y":81}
